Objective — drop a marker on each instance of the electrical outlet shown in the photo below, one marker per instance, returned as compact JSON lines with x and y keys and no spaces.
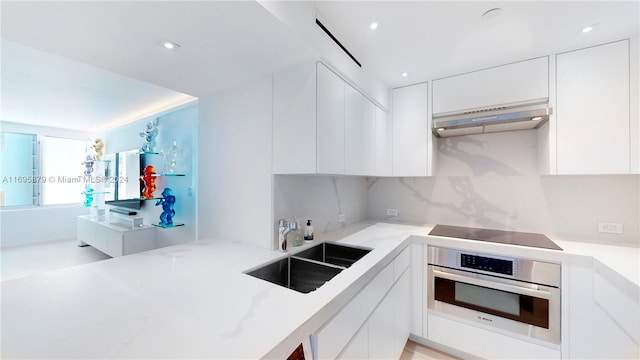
{"x":392,"y":212}
{"x":610,"y":227}
{"x":342,"y":218}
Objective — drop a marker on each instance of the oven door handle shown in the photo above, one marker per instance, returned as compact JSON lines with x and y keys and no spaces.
{"x":493,"y":285}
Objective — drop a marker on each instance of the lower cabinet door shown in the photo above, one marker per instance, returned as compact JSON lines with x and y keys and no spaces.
{"x":401,"y":293}
{"x":382,"y":330}
{"x":358,"y":348}
{"x":611,"y":342}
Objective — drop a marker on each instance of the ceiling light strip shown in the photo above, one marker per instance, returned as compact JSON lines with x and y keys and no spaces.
{"x":337,"y":42}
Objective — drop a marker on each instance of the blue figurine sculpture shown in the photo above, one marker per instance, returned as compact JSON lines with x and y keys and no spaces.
{"x":88,"y":195}
{"x":168,"y":201}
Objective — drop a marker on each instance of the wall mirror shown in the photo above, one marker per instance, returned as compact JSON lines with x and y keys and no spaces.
{"x":123,"y":172}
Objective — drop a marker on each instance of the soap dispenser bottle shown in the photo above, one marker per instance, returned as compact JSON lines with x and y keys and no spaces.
{"x":308,"y":231}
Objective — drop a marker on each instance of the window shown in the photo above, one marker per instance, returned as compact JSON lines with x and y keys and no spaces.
{"x":49,"y":174}
{"x":62,"y":167}
{"x":18,"y":169}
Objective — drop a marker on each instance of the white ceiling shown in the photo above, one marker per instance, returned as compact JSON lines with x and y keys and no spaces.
{"x":433,"y":39}
{"x":222,"y":43}
{"x":70,"y":81}
{"x":43,"y":89}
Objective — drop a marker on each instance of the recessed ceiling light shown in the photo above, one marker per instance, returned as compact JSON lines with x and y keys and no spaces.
{"x":374,"y":25}
{"x":440,"y":129}
{"x":491,"y":13}
{"x":404,"y":74}
{"x":169,"y":45}
{"x":588,"y":28}
{"x":536,"y":118}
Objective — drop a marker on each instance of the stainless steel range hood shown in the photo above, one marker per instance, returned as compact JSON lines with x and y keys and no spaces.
{"x":510,"y":117}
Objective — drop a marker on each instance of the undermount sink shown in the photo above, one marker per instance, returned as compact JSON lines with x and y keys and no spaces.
{"x":332,"y":253}
{"x":309,"y":269}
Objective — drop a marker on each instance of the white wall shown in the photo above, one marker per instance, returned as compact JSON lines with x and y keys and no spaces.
{"x":235,"y":160}
{"x":181,"y":125}
{"x":39,"y":224}
{"x":491,"y":181}
{"x":320,"y":198}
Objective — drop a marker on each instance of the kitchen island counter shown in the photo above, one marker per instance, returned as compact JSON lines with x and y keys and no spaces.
{"x":185,"y":301}
{"x":194,"y":300}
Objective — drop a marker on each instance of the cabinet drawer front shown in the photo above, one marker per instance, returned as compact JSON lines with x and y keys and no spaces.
{"x":401,"y":263}
{"x":483,"y":343}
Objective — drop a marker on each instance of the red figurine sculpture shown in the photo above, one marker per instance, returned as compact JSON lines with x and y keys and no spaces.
{"x":149,"y":179}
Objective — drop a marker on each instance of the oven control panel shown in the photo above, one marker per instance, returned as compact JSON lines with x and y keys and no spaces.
{"x":476,"y":262}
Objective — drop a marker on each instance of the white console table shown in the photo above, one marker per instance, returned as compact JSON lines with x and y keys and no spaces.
{"x":115,"y":239}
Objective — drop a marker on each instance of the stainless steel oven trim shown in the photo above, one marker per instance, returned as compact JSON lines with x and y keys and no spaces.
{"x":543,"y":272}
{"x":512,"y":286}
{"x":533,"y":271}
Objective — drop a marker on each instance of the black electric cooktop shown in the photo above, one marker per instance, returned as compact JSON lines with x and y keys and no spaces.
{"x":497,"y":236}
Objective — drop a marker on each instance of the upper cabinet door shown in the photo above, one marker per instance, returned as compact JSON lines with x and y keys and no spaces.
{"x":294,"y":120}
{"x":330,"y":121}
{"x":368,"y":137}
{"x":410,"y":130}
{"x":353,"y":131}
{"x":513,"y":83}
{"x":592,"y":110}
{"x":384,"y":144}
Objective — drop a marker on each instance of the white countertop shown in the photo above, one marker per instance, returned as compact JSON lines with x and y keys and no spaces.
{"x":185,"y":301}
{"x":194,"y":301}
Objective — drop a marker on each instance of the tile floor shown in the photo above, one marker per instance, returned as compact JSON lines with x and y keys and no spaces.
{"x":21,"y":261}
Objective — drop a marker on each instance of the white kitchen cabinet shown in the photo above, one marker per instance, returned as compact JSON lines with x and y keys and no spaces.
{"x":360,"y":135}
{"x":382,"y":330}
{"x":507,"y":84}
{"x":330,"y":121}
{"x":377,"y":319}
{"x":389,"y":324}
{"x":577,"y":309}
{"x":411,"y":133}
{"x":401,"y":293}
{"x":482,"y":343}
{"x":353,"y":131}
{"x":358,"y":348}
{"x":417,"y":286}
{"x":616,"y":318}
{"x":114,"y":240}
{"x":333,"y":337}
{"x":321,"y":124}
{"x":294,"y":120}
{"x":592,"y":110}
{"x":369,"y":138}
{"x":383,"y":144}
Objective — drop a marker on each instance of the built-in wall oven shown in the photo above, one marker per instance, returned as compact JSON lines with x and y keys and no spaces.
{"x":516,"y":295}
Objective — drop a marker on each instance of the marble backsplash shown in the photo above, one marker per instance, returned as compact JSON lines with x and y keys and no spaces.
{"x":492,"y":181}
{"x":487,"y":181}
{"x":320,"y":198}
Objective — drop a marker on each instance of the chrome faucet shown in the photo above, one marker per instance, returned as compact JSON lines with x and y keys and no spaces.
{"x":285,"y":226}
